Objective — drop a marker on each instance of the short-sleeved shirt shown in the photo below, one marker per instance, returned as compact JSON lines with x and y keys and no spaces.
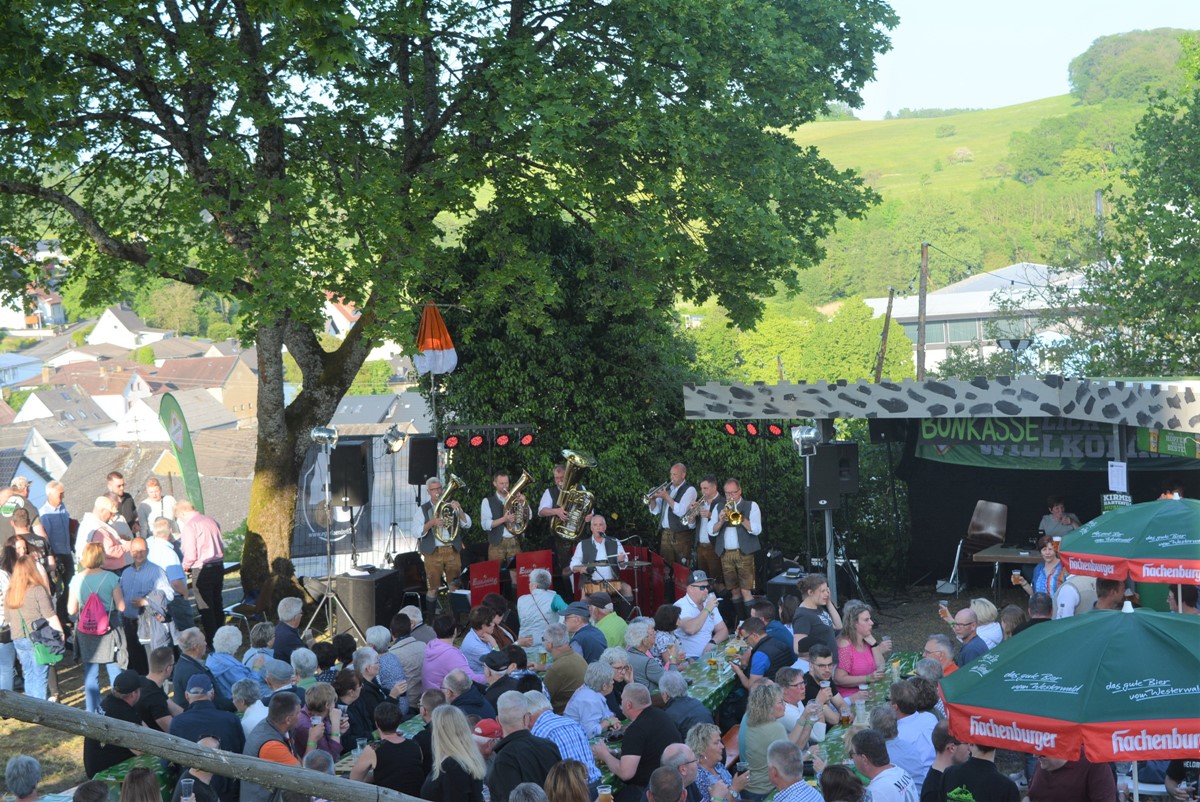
{"x":693,"y":645}
{"x":152,"y":703}
{"x":102,"y":584}
{"x":649,"y":734}
{"x":817,"y":627}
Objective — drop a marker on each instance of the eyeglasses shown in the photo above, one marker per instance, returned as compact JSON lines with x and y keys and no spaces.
{"x":700,"y":587}
{"x":851,"y":754}
{"x":963,"y":624}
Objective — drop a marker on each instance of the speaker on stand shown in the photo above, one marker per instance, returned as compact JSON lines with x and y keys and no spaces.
{"x":371,"y":600}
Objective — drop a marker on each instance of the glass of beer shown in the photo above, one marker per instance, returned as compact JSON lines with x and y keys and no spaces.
{"x":1057,"y":543}
{"x":844,"y":718}
{"x":604,"y":793}
{"x":1016,"y":576}
{"x":712,"y":661}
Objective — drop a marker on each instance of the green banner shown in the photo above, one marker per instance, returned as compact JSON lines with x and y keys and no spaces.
{"x":1047,"y":444}
{"x":1168,"y":442}
{"x":181,"y":446}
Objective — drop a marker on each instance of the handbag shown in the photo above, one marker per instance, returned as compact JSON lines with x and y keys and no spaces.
{"x":48,"y":645}
{"x":5,"y":634}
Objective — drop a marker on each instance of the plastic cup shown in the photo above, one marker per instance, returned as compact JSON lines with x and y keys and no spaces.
{"x":742,"y":767}
{"x":185,"y":788}
{"x":944,"y":604}
{"x":362,"y":744}
{"x":604,"y":793}
{"x":1016,"y":576}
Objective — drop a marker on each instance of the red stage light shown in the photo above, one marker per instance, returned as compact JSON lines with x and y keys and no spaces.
{"x":774,"y":430}
{"x":526,"y":439}
{"x":752,"y":430}
{"x":476,"y":440}
{"x":502,"y":440}
{"x":730,"y":429}
{"x":452,"y":441}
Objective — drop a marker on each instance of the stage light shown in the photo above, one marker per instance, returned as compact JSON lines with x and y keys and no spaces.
{"x":526,"y":439}
{"x":774,"y":430}
{"x":730,"y":429}
{"x":324,"y":435}
{"x":476,"y":441}
{"x":806,"y":438}
{"x":503,"y":440}
{"x":452,"y":442}
{"x":394,"y":440}
{"x":752,"y":430}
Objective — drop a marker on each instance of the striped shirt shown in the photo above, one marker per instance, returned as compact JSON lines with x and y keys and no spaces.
{"x":140,"y":582}
{"x":570,"y":739}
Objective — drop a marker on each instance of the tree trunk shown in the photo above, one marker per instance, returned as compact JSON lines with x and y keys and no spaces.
{"x":186,"y":753}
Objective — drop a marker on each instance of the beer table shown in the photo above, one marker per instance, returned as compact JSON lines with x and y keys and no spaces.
{"x":1006,"y":554}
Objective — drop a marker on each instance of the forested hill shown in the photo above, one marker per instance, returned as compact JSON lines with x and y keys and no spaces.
{"x":989,"y":187}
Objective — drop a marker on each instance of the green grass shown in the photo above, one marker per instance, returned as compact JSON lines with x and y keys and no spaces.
{"x":896,"y":155}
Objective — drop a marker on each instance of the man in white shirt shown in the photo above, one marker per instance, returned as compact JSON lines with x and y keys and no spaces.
{"x":736,"y":544}
{"x":599,"y":549}
{"x":156,"y":505}
{"x":669,"y":505}
{"x":710,"y":501}
{"x":700,"y":626}
{"x":503,"y":545}
{"x":888,"y":783}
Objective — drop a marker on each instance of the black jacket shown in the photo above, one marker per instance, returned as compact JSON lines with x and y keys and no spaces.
{"x":520,"y":757}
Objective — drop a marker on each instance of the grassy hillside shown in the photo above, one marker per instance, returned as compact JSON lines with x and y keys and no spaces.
{"x":895,"y":154}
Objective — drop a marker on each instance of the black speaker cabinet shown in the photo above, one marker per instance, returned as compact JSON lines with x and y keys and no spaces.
{"x":832,"y":472}
{"x":371,"y":600}
{"x":847,"y":467}
{"x":422,"y":458}
{"x":886,"y":430}
{"x":348,"y":474}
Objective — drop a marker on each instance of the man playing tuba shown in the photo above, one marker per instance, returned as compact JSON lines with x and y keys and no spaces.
{"x":503,"y":543}
{"x":441,"y":546}
{"x":669,"y":504}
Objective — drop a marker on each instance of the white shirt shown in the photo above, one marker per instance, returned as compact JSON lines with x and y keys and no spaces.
{"x":597,"y":574}
{"x":917,"y":753}
{"x":87,"y":526}
{"x":752,"y":523}
{"x":485,"y":515}
{"x":693,"y":645}
{"x":702,"y":530}
{"x":892,"y":785}
{"x":679,"y":507}
{"x":1066,"y":601}
{"x":547,"y":502}
{"x":254,"y":714}
{"x":148,"y":511}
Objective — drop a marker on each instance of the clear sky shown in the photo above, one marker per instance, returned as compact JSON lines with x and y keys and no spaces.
{"x":984,"y":54}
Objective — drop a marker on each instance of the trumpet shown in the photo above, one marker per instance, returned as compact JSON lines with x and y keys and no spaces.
{"x":646,"y":499}
{"x":731,"y":513}
{"x":693,"y":512}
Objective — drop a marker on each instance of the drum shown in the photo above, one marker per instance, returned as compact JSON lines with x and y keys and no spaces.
{"x":594,"y":587}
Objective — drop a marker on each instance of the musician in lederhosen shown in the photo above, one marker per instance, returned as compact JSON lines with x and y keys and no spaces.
{"x":590,"y":552}
{"x":551,"y":507}
{"x":734,"y":531}
{"x":708,"y":504}
{"x":503,"y":544}
{"x":440,"y":557}
{"x":670,"y":504}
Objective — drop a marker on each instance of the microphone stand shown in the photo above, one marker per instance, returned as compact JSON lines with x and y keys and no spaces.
{"x":330,"y":602}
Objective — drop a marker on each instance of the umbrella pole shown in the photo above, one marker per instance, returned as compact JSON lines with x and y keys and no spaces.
{"x":1136,"y":796}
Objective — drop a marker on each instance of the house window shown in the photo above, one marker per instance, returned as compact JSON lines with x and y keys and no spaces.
{"x":962,"y":331}
{"x":935,"y":333}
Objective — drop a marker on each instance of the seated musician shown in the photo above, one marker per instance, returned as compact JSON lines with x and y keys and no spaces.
{"x":599,"y":549}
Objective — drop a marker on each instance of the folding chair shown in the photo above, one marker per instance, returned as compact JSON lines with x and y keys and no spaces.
{"x":987,"y":528}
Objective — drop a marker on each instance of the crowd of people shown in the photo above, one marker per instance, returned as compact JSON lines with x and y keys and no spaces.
{"x":544,"y":699}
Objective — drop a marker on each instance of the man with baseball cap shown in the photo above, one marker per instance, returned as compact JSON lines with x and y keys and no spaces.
{"x":203,"y":718}
{"x":612,"y":625}
{"x":586,"y":640}
{"x":119,"y":705}
{"x":700,"y":626}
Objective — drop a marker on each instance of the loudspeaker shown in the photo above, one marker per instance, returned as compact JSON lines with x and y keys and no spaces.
{"x":422,"y":458}
{"x":783,"y":585}
{"x":348,"y":475}
{"x":886,"y":430}
{"x":832,"y":472}
{"x":371,"y":600}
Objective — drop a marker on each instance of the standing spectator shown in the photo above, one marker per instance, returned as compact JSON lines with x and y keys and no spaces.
{"x":1058,"y":780}
{"x":411,"y":654}
{"x":785,"y":769}
{"x":118,"y":705}
{"x":566,"y":734}
{"x":138,"y":581}
{"x":203,"y":558}
{"x":27,"y":600}
{"x":155,"y":505}
{"x":520,"y":756}
{"x":287,"y":631}
{"x":566,"y":672}
{"x":155,"y":709}
{"x":8,"y":652}
{"x":126,"y":507}
{"x":56,"y":521}
{"x":393,"y":761}
{"x":163,"y":554}
{"x":650,"y":732}
{"x":888,"y":783}
{"x":97,"y":527}
{"x":95,"y":650}
{"x":18,"y":498}
{"x":458,"y":768}
{"x":21,"y":776}
{"x":980,"y":776}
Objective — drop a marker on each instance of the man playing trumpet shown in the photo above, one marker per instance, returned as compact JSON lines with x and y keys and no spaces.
{"x":670,"y":503}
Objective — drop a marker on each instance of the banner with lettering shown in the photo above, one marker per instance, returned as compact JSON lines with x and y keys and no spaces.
{"x":1047,"y":444}
{"x":485,"y":579}
{"x":1169,"y":443}
{"x":527,"y":563}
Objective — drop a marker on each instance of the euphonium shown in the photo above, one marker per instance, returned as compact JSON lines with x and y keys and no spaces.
{"x":731,"y":513}
{"x":519,"y":507}
{"x":575,"y":500}
{"x":446,"y":531}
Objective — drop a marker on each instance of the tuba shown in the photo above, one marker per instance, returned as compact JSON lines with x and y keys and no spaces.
{"x":577,"y":501}
{"x":518,"y":507}
{"x":446,"y":531}
{"x":731,"y":513}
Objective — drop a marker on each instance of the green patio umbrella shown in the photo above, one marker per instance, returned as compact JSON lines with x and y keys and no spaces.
{"x":1123,"y":685}
{"x":1158,"y":541}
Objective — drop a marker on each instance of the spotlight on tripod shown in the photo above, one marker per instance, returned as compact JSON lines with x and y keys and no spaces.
{"x":806,"y":438}
{"x":324,"y":436}
{"x":394,"y":439}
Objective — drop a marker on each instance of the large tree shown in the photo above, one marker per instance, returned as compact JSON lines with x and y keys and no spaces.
{"x":275,"y":151}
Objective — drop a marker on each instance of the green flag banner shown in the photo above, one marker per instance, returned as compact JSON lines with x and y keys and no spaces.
{"x":1168,"y":442}
{"x":172,"y":419}
{"x":1048,"y":444}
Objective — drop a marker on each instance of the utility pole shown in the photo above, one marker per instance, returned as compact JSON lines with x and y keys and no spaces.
{"x":779,"y":363}
{"x":887,"y":321}
{"x":921,"y":293}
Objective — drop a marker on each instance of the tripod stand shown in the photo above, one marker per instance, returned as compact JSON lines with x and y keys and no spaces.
{"x":329,"y":600}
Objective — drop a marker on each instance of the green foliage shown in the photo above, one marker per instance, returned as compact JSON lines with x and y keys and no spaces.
{"x":17,"y":398}
{"x":9,"y":344}
{"x":1128,"y":66}
{"x":143,"y":355}
{"x":372,"y":378}
{"x":967,"y":362}
{"x":838,"y":111}
{"x":219,"y":331}
{"x":1086,"y":144}
{"x":173,"y":306}
{"x":79,"y":338}
{"x":946,"y":131}
{"x":925,"y":114}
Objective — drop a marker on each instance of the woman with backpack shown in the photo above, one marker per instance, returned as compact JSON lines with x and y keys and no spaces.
{"x":94,"y":593}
